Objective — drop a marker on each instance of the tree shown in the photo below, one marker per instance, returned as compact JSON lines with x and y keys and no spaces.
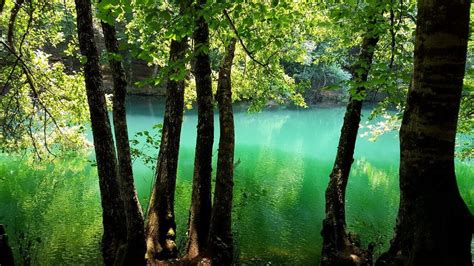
{"x":220,"y":234}
{"x":6,"y":253}
{"x":200,"y":211}
{"x":161,"y":224}
{"x":338,"y":246}
{"x":113,"y":212}
{"x":33,"y":82}
{"x":135,"y":249}
{"x":434,"y":225}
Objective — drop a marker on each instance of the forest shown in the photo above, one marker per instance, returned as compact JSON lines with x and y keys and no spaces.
{"x":245,"y":132}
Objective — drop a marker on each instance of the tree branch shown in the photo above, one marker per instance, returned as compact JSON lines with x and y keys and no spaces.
{"x":29,"y":78}
{"x":392,"y":35}
{"x":11,"y":22}
{"x":226,"y":14}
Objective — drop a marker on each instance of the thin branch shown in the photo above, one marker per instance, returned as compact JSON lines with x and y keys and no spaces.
{"x":392,"y":34}
{"x":28,"y":26}
{"x":25,"y":68}
{"x":226,"y":14}
{"x":11,"y":22}
{"x":45,"y":125}
{"x":10,"y":35}
{"x":29,"y":75}
{"x":33,"y":141}
{"x":6,"y":88}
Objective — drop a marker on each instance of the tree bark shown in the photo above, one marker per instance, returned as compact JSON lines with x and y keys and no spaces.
{"x":434,"y":225}
{"x":6,"y":253}
{"x":135,"y":249}
{"x":200,"y":211}
{"x":161,"y":225}
{"x":220,"y":233}
{"x":338,"y":247}
{"x":113,"y":212}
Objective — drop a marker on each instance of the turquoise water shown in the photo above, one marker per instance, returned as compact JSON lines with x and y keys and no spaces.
{"x":285,"y":157}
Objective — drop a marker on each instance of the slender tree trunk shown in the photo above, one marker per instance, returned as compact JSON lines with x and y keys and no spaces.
{"x":434,"y":226}
{"x":113,"y":212}
{"x":200,"y":211}
{"x":135,"y":250}
{"x":220,"y":233}
{"x":161,"y":226}
{"x":337,"y":242}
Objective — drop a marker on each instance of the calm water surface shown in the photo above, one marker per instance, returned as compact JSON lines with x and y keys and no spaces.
{"x":284,"y":159}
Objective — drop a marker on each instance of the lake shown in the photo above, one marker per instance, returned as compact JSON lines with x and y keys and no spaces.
{"x":283,"y":156}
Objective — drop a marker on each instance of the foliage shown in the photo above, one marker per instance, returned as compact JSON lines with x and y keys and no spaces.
{"x":396,"y":84}
{"x":145,"y":145}
{"x":286,"y":50}
{"x":43,"y":102}
{"x":465,"y":139}
{"x":268,"y":32}
{"x":465,"y":130}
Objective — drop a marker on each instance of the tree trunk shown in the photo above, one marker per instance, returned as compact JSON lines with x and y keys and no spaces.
{"x":161,"y":225}
{"x":220,"y":233}
{"x":200,"y":211}
{"x":6,"y":253}
{"x":135,"y":250}
{"x":434,"y":226}
{"x":338,"y":247}
{"x":113,"y":212}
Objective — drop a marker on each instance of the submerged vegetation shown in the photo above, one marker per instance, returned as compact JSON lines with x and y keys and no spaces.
{"x":217,"y":132}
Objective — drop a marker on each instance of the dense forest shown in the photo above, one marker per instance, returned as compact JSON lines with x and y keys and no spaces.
{"x":195,"y":132}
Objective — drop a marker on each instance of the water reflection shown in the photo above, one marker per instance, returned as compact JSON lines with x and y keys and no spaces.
{"x":52,"y":211}
{"x":285,"y":160}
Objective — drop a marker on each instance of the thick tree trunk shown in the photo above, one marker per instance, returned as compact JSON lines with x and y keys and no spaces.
{"x":161,"y":225}
{"x":113,"y":211}
{"x":135,"y":249}
{"x":220,"y":242}
{"x":434,"y":226}
{"x":200,"y":211}
{"x":6,"y":253}
{"x":338,"y":247}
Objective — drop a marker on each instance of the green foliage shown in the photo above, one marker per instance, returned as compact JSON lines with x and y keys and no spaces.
{"x":43,"y":103}
{"x":144,"y":146}
{"x":284,"y":49}
{"x":266,"y":30}
{"x":391,"y":69}
{"x":313,"y":76}
{"x":394,"y":82}
{"x":465,"y":139}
